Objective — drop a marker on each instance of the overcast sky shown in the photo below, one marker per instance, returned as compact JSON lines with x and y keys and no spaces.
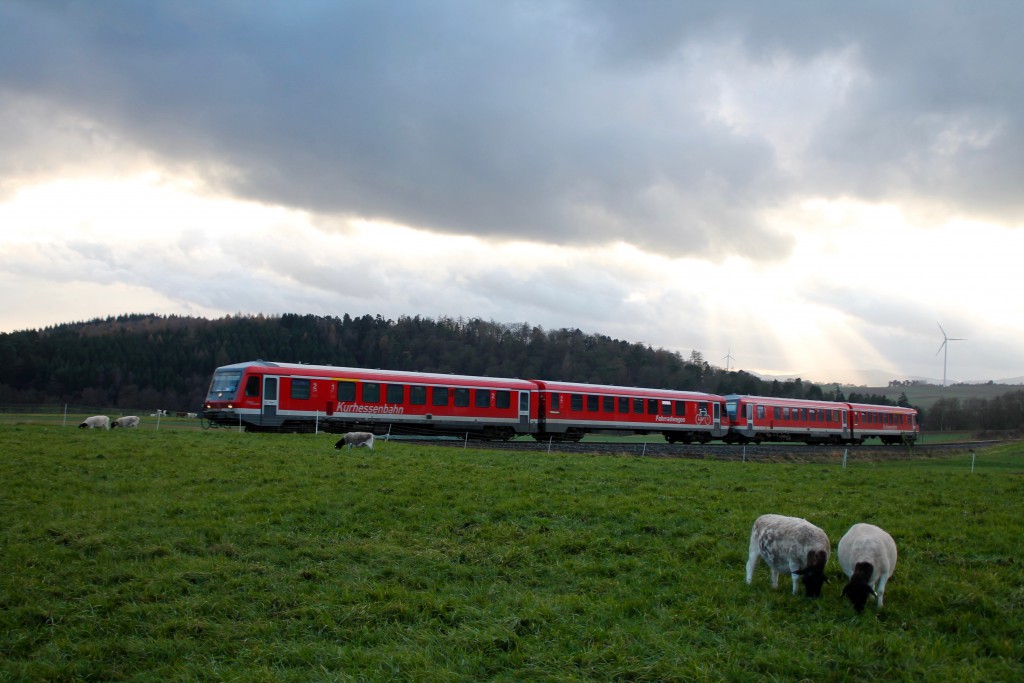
{"x":804,"y":188}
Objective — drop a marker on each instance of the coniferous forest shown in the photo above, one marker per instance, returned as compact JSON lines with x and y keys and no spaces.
{"x":150,"y":361}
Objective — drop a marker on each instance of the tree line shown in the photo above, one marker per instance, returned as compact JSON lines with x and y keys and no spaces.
{"x":143,"y":361}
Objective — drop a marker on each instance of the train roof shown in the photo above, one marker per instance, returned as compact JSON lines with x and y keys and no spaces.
{"x":638,"y":392}
{"x":407,"y":376}
{"x":804,"y":402}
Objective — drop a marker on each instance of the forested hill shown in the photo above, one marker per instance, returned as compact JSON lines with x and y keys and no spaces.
{"x":141,"y":361}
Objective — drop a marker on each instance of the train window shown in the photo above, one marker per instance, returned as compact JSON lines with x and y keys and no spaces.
{"x":225,"y":382}
{"x":760,"y":412}
{"x":666,"y":407}
{"x":812,"y":415}
{"x":608,"y":404}
{"x":300,"y":389}
{"x":371,"y":392}
{"x":502,"y":399}
{"x":652,"y":406}
{"x":554,"y":402}
{"x":638,"y":406}
{"x":395,"y":393}
{"x":785,"y":413}
{"x":593,"y":402}
{"x":440,"y":396}
{"x":483,"y":398}
{"x":418,"y":396}
{"x":777,"y":413}
{"x":524,"y":401}
{"x":462,"y":398}
{"x":346,"y":391}
{"x":252,"y":386}
{"x":680,"y":408}
{"x":623,"y":404}
{"x":576,"y":402}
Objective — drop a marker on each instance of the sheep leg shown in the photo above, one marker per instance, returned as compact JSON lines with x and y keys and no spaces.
{"x":880,"y":591}
{"x":752,"y":563}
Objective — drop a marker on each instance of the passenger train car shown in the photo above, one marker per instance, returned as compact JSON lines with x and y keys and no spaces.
{"x":569,"y":410}
{"x":762,"y":418}
{"x":261,"y":395}
{"x":292,"y":397}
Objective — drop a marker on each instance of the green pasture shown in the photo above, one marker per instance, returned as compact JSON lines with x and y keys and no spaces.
{"x":182,"y":555}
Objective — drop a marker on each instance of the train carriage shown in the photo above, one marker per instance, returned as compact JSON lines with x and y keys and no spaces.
{"x":762,"y":418}
{"x":568,"y":410}
{"x":262,"y":395}
{"x":765,"y":418}
{"x":890,"y":424}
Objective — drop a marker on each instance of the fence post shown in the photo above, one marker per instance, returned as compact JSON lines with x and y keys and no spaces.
{"x":846,"y":452}
{"x":65,"y":415}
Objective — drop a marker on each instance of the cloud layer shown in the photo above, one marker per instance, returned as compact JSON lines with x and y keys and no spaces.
{"x":700,"y":133}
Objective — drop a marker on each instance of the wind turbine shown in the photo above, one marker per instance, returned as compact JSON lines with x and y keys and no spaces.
{"x":945,"y":347}
{"x":728,"y":357}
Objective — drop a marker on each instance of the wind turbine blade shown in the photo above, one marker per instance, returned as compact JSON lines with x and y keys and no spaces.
{"x":940,"y":328}
{"x":940,"y":347}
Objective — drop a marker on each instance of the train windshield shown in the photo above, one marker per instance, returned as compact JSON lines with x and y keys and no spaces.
{"x":731,"y":402}
{"x":225,"y":385}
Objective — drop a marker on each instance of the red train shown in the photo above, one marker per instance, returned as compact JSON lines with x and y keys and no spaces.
{"x":261,"y":395}
{"x":760,"y":418}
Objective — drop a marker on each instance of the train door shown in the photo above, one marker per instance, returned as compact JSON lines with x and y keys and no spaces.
{"x":846,"y":424}
{"x":750,"y":419}
{"x":269,"y":413}
{"x":716,"y":418}
{"x":524,"y":411}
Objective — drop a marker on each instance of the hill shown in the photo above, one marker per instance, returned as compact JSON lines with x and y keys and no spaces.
{"x":150,"y":361}
{"x":926,"y":395}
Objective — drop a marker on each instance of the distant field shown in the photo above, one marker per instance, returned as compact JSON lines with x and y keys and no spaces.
{"x":213,"y":555}
{"x":925,"y":396}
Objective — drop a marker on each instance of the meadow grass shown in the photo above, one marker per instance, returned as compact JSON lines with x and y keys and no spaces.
{"x":215,"y":555}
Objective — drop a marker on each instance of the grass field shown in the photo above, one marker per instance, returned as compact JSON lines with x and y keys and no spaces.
{"x":213,"y":555}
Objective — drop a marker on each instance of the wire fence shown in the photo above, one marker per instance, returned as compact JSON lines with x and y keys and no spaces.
{"x":71,"y":415}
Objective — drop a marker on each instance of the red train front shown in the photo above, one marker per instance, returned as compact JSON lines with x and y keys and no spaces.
{"x":292,"y":397}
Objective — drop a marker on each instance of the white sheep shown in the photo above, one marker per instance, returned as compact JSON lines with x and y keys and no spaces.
{"x":790,"y":545}
{"x":95,"y":422}
{"x":867,"y":555}
{"x":126,"y":421}
{"x":356,"y":439}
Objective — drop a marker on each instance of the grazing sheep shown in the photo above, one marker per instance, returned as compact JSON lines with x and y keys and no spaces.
{"x":790,"y":545}
{"x":126,"y":421}
{"x":867,"y":555}
{"x":95,"y":422}
{"x":356,"y":439}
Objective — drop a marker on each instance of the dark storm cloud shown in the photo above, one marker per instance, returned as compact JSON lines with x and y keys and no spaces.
{"x":566,"y":122}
